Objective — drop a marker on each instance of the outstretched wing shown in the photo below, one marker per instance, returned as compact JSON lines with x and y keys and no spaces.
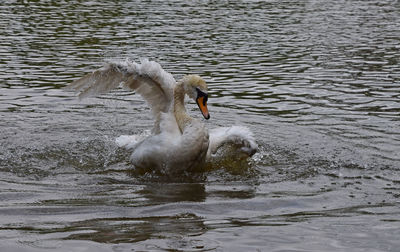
{"x":240,"y":138}
{"x":148,"y":79}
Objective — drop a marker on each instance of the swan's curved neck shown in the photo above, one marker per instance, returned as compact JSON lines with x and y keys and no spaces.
{"x":182,"y":118}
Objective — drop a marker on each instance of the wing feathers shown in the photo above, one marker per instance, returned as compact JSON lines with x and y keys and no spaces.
{"x":98,"y":82}
{"x":148,"y":79}
{"x":241,"y":137}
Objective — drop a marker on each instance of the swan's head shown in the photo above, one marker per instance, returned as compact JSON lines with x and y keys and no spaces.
{"x":196,"y":88}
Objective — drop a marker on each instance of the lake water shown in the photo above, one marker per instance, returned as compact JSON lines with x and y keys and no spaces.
{"x":318,"y":82}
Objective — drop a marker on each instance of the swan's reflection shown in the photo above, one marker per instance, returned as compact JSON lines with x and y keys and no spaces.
{"x":173,"y":192}
{"x":155,"y":221}
{"x":128,"y":230}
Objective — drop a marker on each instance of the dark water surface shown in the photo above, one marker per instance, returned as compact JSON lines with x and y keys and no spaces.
{"x":318,"y":82}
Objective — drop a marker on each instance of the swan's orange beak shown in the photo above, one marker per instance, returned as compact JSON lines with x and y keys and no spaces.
{"x":202,"y":103}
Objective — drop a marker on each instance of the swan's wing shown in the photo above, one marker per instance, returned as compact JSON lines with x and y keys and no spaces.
{"x":129,"y":142}
{"x":238,"y":136}
{"x":148,"y":79}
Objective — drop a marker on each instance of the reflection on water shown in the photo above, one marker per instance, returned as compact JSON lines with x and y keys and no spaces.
{"x":317,"y":82}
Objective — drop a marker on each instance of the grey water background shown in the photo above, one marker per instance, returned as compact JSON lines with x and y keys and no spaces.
{"x":318,"y":82}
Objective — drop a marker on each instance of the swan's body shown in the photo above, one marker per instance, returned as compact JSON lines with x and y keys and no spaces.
{"x":178,"y":142}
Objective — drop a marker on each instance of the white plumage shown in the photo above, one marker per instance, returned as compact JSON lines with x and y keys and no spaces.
{"x":178,"y":143}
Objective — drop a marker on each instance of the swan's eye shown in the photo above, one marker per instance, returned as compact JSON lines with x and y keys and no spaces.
{"x":201,"y":93}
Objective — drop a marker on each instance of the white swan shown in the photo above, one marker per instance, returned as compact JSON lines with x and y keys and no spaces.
{"x":178,"y":142}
